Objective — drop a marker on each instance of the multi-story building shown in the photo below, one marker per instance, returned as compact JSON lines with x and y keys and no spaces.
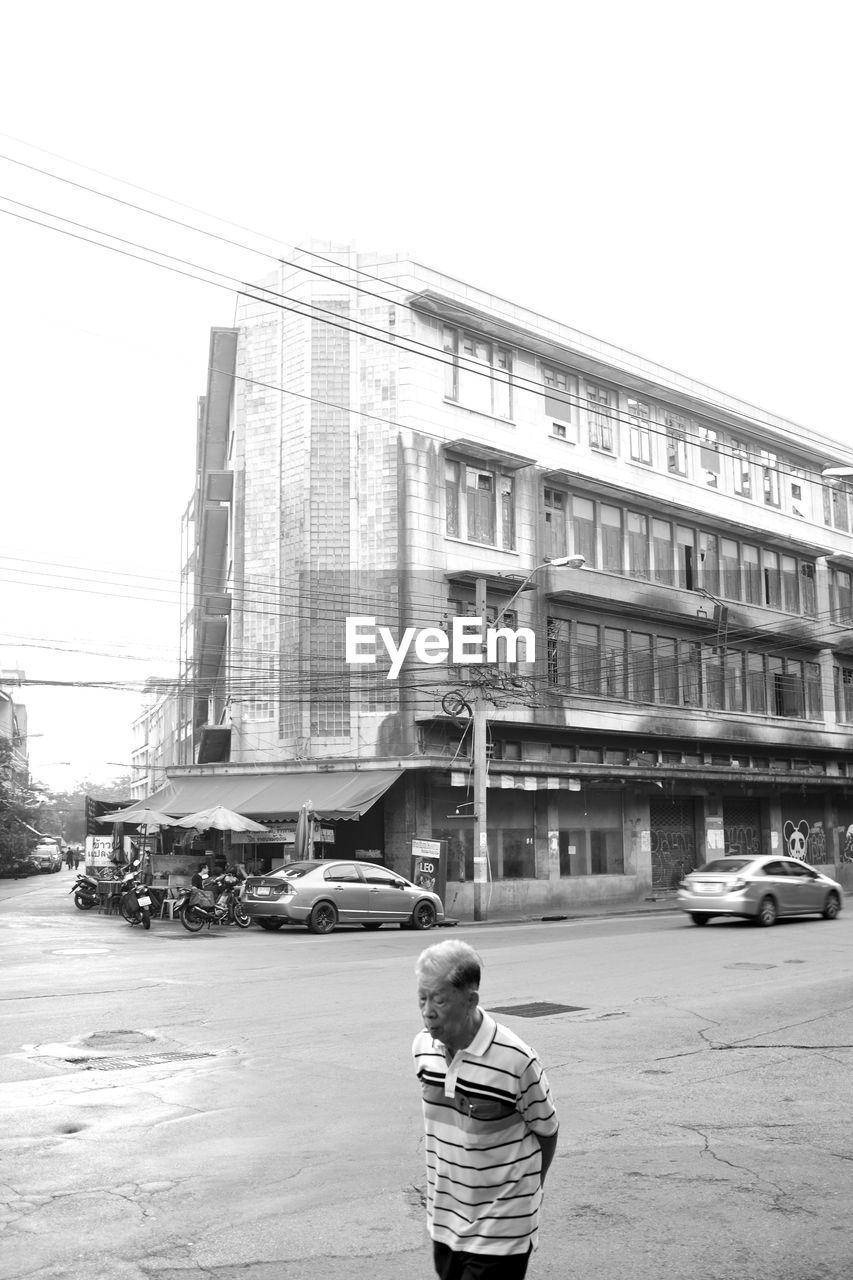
{"x":379,"y":441}
{"x":13,"y":723}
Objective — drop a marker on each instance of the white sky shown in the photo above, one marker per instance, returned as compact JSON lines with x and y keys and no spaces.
{"x":671,"y":177}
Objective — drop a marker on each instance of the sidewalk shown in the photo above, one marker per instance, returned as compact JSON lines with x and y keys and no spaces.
{"x":655,"y":904}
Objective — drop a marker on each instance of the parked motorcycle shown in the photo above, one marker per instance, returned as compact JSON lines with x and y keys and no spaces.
{"x":135,"y":901}
{"x":85,"y":891}
{"x":219,"y":902}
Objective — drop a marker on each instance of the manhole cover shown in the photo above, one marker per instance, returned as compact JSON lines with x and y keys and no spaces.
{"x":536,"y":1009}
{"x":140,"y":1060}
{"x":743,"y":964}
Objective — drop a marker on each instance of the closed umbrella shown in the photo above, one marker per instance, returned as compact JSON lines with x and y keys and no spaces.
{"x":302,"y":841}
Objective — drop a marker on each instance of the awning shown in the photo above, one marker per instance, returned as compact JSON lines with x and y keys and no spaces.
{"x":277,"y":795}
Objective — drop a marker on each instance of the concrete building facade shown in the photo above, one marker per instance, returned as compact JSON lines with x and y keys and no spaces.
{"x":379,"y":441}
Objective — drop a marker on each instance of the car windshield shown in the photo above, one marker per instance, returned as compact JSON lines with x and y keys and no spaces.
{"x":293,"y":870}
{"x":723,"y":866}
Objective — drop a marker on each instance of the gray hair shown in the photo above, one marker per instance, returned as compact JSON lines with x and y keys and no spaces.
{"x":453,"y":962}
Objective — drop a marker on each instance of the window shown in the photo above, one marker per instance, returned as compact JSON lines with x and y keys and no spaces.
{"x":741,"y":476}
{"x":663,"y":551}
{"x":450,"y":341}
{"x":615,"y":674}
{"x":640,"y":431}
{"x":756,"y":683}
{"x":600,"y":405}
{"x":772,"y":580}
{"x":790,"y":585}
{"x":478,"y":373}
{"x":676,"y":444}
{"x":480,"y":505}
{"x":561,"y":401}
{"x":642,"y":668}
{"x":836,"y":506}
{"x":666,"y":670}
{"x":752,"y":581}
{"x":786,"y":685}
{"x":583,"y":529}
{"x":808,"y":596}
{"x":712,"y":660}
{"x":588,"y":674}
{"x":841,"y":596}
{"x":691,"y":674}
{"x":844,"y":694}
{"x":814,"y":692}
{"x":735,"y":681}
{"x":611,"y":538}
{"x":686,"y":555}
{"x":769,"y":477}
{"x":555,"y":524}
{"x":710,"y":556}
{"x":709,"y":456}
{"x":730,"y":569}
{"x":638,"y":545}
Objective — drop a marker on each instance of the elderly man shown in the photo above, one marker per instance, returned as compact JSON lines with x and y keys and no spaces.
{"x":491,"y":1126}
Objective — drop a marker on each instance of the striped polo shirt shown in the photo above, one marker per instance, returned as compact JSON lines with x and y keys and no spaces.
{"x":481,"y":1111}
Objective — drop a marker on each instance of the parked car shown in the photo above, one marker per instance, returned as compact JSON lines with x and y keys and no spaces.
{"x":47,"y":856}
{"x":15,"y":866}
{"x":764,"y":889}
{"x":323,"y":894}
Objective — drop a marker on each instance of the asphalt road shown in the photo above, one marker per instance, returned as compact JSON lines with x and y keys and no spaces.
{"x":241,"y":1104}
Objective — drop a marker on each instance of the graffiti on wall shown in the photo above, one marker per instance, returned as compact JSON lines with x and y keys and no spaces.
{"x":804,"y":841}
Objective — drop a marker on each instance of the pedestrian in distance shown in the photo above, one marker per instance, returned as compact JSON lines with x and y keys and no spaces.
{"x":69,"y":857}
{"x":76,"y":859}
{"x":490,"y":1123}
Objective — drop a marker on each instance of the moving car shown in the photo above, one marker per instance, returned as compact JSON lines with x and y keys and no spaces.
{"x":47,"y":856}
{"x":323,"y":894}
{"x":763,"y":889}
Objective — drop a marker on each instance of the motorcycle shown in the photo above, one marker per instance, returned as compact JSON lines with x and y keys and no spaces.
{"x":135,"y":901}
{"x":219,"y":902}
{"x":85,"y":891}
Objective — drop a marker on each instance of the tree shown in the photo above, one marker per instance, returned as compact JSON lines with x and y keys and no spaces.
{"x":19,"y":810}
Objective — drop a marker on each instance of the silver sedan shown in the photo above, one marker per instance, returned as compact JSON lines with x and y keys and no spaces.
{"x":323,"y":894}
{"x":763,"y":889}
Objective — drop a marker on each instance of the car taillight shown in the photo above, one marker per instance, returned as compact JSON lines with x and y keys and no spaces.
{"x":740,"y":884}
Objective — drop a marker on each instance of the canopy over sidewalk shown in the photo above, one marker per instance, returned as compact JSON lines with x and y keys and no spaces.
{"x":277,"y":795}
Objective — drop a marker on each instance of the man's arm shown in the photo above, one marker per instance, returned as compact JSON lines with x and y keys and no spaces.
{"x":548,"y":1147}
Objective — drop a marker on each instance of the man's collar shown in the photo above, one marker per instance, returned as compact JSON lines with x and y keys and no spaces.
{"x":484,"y":1037}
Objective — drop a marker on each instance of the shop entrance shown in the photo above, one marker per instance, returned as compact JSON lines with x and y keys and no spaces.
{"x":673,"y":840}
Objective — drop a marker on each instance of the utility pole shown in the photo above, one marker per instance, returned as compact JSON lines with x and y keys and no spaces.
{"x":480,"y":763}
{"x":479,"y":746}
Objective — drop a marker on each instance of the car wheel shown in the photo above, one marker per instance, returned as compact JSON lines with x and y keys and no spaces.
{"x":270,"y":923}
{"x":831,"y":907}
{"x":699,"y":917}
{"x":323,"y":917}
{"x":423,"y":916}
{"x":372,"y":924}
{"x":767,"y":912}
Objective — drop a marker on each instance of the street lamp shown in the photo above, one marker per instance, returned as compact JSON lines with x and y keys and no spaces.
{"x":480,"y":731}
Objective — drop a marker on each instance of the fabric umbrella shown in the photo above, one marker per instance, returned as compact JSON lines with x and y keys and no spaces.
{"x":302,"y":841}
{"x":140,"y":816}
{"x":218,"y":818}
